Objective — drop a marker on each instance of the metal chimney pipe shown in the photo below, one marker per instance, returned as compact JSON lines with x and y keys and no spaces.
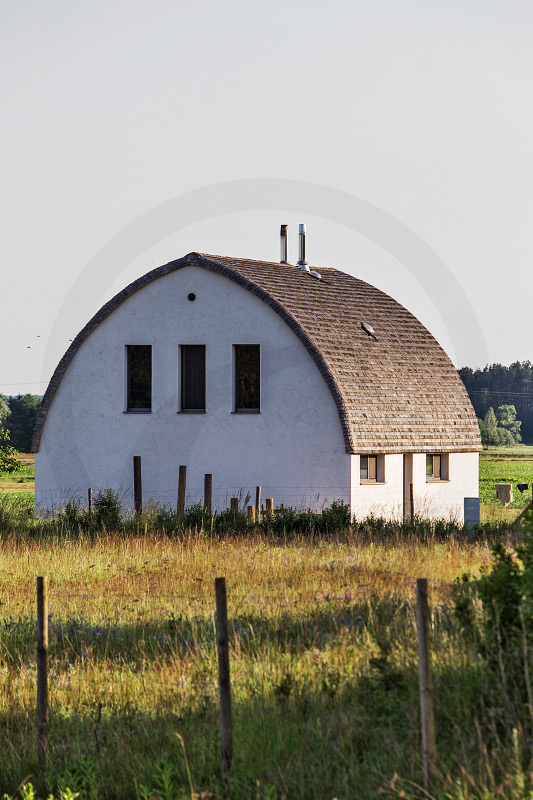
{"x":284,"y":242}
{"x":302,"y":263}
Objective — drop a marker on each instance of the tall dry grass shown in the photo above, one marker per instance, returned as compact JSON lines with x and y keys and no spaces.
{"x":323,"y":660}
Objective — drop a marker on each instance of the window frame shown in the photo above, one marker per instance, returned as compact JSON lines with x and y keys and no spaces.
{"x":129,"y":408}
{"x":235,"y":408}
{"x":442,"y":474}
{"x":379,"y":469}
{"x":183,"y":409}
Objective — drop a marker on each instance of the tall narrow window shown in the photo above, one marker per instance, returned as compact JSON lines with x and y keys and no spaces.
{"x":247,"y":377}
{"x":139,"y":377}
{"x":193,"y":377}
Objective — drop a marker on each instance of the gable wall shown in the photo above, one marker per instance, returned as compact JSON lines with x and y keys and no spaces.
{"x":294,"y":449}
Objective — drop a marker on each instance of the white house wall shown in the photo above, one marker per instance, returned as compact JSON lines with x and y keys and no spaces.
{"x":383,"y":499}
{"x":294,"y":448}
{"x":434,"y":499}
{"x":446,"y":498}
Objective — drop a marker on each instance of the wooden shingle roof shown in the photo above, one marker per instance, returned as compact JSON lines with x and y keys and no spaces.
{"x":397,"y":392}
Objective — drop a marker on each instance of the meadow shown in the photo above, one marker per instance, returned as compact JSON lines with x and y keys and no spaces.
{"x":23,"y":480}
{"x":323,"y":653}
{"x":323,"y":659}
{"x":510,"y":469}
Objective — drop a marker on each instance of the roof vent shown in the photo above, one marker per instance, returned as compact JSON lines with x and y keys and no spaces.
{"x":302,"y":263}
{"x":284,"y":243}
{"x":369,"y":330}
{"x":315,"y":274}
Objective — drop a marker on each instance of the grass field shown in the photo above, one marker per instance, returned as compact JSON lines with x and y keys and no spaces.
{"x":323,"y":659}
{"x":506,"y":465}
{"x":24,"y":479}
{"x":517,"y":451}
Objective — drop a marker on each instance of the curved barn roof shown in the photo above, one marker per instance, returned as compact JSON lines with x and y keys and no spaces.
{"x":396,"y":392}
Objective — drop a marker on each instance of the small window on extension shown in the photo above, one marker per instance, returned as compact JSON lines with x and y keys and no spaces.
{"x":372,"y":469}
{"x":247,"y":377}
{"x":139,"y":377}
{"x":368,"y":468}
{"x":437,"y":467}
{"x":193,"y":377}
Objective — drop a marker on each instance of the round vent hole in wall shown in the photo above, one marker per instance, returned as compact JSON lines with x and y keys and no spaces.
{"x":191,"y":296}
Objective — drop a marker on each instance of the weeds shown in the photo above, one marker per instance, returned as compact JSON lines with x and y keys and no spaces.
{"x":109,"y":514}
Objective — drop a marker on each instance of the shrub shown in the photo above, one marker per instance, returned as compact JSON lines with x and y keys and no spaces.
{"x":505,"y":589}
{"x":289,"y":520}
{"x":230,"y":521}
{"x":336,"y":518}
{"x":503,"y":631}
{"x":197,"y":517}
{"x":108,"y":509}
{"x":74,"y":515}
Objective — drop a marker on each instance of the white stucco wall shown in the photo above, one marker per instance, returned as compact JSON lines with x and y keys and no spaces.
{"x":434,"y":499}
{"x":446,"y":498}
{"x":294,"y":448}
{"x":383,"y":499}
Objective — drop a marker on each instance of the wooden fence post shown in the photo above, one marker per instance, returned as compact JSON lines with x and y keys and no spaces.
{"x":137,"y":486}
{"x":42,"y":669}
{"x":90,"y":500}
{"x":258,"y":504}
{"x":182,"y":483}
{"x":429,"y":751}
{"x":208,"y":492}
{"x":234,"y":504}
{"x":226,"y":739}
{"x":269,"y":507}
{"x":251,"y":515}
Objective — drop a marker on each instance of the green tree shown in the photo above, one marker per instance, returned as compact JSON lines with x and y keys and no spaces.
{"x":24,"y":409}
{"x":500,"y":428}
{"x":489,"y":429}
{"x":507,"y":421}
{"x":4,"y":410}
{"x":8,"y":454}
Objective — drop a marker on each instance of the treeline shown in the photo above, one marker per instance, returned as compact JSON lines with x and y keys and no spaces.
{"x":18,"y":415}
{"x":495,"y":386}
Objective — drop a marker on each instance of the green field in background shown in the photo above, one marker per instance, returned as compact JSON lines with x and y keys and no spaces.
{"x":501,"y":466}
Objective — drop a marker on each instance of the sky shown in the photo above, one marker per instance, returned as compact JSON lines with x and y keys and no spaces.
{"x":399,"y":131}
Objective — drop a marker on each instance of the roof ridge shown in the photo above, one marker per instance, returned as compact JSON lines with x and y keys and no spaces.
{"x":243,"y":260}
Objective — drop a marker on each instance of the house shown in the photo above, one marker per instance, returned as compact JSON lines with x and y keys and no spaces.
{"x":315,"y":385}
